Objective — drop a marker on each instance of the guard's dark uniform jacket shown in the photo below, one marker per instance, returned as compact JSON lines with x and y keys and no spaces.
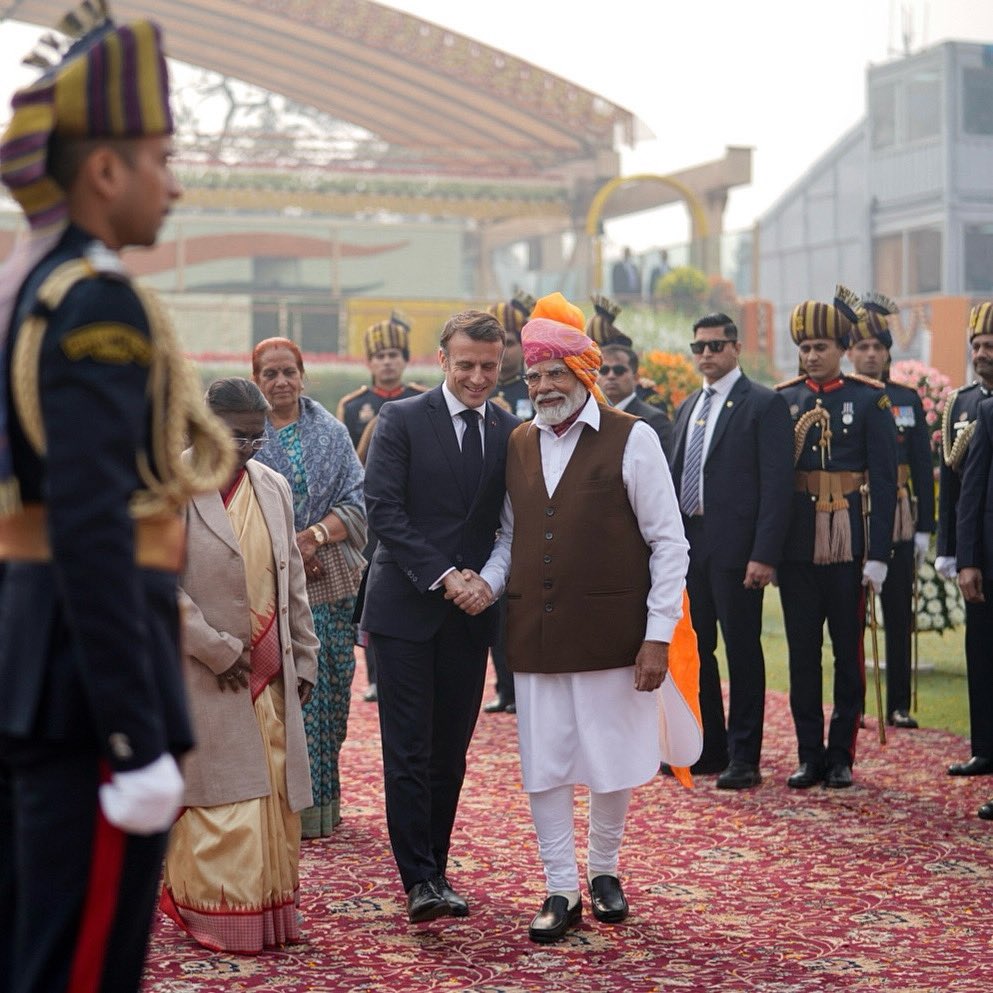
{"x":957,"y":425}
{"x":513,"y":396}
{"x":862,"y":442}
{"x":358,"y":408}
{"x":89,"y":640}
{"x":913,"y":444}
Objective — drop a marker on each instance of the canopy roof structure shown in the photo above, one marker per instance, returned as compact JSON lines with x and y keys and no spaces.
{"x":461,"y":106}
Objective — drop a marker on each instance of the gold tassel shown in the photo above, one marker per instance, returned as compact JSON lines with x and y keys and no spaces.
{"x":822,"y":521}
{"x":10,"y":498}
{"x":903,"y":520}
{"x":841,"y":525}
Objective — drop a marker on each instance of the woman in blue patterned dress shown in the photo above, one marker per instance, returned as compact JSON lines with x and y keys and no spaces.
{"x":311,"y":449}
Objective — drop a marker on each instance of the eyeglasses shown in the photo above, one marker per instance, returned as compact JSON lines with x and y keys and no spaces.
{"x":255,"y":444}
{"x":555,"y":376}
{"x":697,"y":347}
{"x":617,"y":370}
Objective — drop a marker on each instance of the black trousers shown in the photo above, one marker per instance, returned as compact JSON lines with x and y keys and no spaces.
{"x":504,"y":677}
{"x":429,"y":697}
{"x":717,"y":597}
{"x":979,"y":672}
{"x":76,"y":895}
{"x":812,"y":594}
{"x":897,"y":598}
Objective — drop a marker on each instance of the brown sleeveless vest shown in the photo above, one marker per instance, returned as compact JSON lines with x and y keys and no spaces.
{"x":579,"y":580}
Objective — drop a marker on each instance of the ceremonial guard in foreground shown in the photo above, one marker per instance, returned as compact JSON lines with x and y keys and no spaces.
{"x":840,"y":533}
{"x":96,"y":404}
{"x":914,"y":520}
{"x":387,"y":349}
{"x":958,"y":425}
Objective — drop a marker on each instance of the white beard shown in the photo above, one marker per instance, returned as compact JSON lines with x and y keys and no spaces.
{"x":564,"y":409}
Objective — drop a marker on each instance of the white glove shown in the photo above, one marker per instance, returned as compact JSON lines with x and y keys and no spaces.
{"x":875,"y":573}
{"x":145,"y":800}
{"x":944,"y":565}
{"x":922,"y":542}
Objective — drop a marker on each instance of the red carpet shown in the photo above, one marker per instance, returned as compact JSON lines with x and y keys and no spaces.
{"x":887,"y":886}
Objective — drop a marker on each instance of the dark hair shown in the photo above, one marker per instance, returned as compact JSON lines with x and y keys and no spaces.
{"x":477,"y":324}
{"x":65,"y":156}
{"x":629,"y":353}
{"x":718,"y":321}
{"x":235,"y":396}
{"x":266,"y":344}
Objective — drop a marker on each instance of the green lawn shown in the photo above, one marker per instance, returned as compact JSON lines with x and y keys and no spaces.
{"x":941,"y":692}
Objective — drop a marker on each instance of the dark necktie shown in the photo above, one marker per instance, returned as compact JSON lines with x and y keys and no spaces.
{"x":689,"y":497}
{"x":472,"y":451}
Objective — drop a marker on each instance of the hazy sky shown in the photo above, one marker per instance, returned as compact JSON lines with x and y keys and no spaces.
{"x":786,"y":77}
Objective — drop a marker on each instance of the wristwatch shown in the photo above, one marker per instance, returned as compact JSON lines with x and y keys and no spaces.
{"x":320,"y":533}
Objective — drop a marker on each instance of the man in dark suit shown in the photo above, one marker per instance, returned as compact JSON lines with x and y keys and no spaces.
{"x":974,"y":543}
{"x":625,"y":278}
{"x":434,"y":487}
{"x":734,"y":476}
{"x":618,"y":380}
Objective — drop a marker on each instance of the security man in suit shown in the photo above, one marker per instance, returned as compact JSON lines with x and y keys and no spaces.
{"x":840,"y":532}
{"x":734,"y":476}
{"x":95,"y":405}
{"x":511,"y":393}
{"x":387,"y":349}
{"x":974,"y":541}
{"x":434,"y":486}
{"x":914,"y":522}
{"x":958,"y":425}
{"x":618,"y":380}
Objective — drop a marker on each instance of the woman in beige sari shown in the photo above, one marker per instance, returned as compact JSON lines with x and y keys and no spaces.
{"x":231,"y":876}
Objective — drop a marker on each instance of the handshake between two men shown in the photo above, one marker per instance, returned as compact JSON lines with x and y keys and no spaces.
{"x":468,"y":590}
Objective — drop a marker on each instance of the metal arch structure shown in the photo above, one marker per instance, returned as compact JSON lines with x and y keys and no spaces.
{"x":415,"y":85}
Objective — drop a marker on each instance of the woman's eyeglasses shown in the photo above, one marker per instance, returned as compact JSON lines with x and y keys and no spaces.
{"x":255,"y":444}
{"x":697,"y":347}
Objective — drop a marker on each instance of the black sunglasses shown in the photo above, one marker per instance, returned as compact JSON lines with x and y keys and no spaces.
{"x":617,"y":370}
{"x":697,"y":347}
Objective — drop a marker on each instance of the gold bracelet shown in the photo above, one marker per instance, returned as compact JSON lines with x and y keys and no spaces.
{"x":320,"y":533}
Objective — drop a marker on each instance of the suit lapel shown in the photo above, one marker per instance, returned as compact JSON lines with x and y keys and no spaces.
{"x":679,"y":428}
{"x":441,"y":422}
{"x":210,"y":507}
{"x":728,"y":410}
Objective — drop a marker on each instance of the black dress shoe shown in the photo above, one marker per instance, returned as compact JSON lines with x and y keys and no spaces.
{"x":901,"y":719}
{"x":839,"y":777}
{"x":739,"y":776}
{"x":554,"y":919}
{"x":607,"y":899}
{"x":976,"y":766}
{"x":458,"y":904}
{"x":986,"y":811}
{"x":497,"y":705}
{"x":425,"y":903}
{"x":807,"y":775}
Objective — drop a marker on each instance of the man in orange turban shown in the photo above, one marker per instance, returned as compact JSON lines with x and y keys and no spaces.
{"x":593,"y":558}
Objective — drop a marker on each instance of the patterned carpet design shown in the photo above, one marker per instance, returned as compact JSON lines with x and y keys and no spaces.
{"x":887,"y":886}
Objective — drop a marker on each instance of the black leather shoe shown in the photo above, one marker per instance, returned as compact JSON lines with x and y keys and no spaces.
{"x":839,"y":777}
{"x":458,"y":904}
{"x":807,"y":775}
{"x":425,"y":903}
{"x":554,"y":919}
{"x":976,"y":766}
{"x":986,"y":811}
{"x":901,"y":719}
{"x":498,"y":705}
{"x":739,"y":776}
{"x":370,"y":695}
{"x":607,"y":899}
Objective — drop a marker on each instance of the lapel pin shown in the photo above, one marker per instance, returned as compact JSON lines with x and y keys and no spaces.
{"x":730,"y":403}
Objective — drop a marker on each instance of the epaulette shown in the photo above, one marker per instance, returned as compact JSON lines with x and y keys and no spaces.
{"x":876,"y":384}
{"x":106,"y":262}
{"x":348,"y":398}
{"x":420,"y":387}
{"x":789,"y":382}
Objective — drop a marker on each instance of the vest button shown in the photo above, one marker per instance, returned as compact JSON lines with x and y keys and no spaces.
{"x":547,"y":559}
{"x":548,"y":608}
{"x":548,"y":535}
{"x":547,"y":584}
{"x":549,"y":511}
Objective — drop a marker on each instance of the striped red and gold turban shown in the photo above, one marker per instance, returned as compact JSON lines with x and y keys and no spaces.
{"x":111,"y":83}
{"x":384,"y":335}
{"x":828,"y":321}
{"x":981,"y":320}
{"x":548,"y":336}
{"x":514,"y":313}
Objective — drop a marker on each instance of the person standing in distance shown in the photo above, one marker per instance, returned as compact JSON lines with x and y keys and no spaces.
{"x":96,"y":404}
